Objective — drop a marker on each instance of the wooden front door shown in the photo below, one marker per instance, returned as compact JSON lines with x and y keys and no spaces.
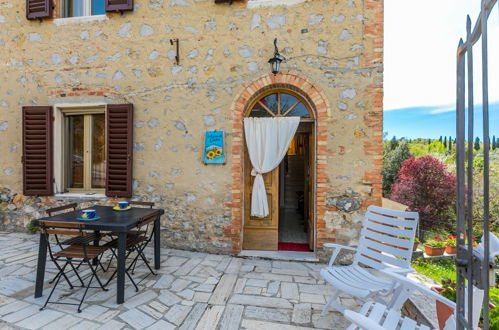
{"x":261,"y":233}
{"x":309,"y":188}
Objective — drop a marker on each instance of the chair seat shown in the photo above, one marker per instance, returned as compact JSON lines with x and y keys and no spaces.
{"x":131,"y":241}
{"x":90,"y":237}
{"x":388,"y":319}
{"x":356,"y":280}
{"x":77,"y":251}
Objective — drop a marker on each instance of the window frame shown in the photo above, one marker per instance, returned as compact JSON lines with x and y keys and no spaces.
{"x":61,"y":140}
{"x":278,"y":91}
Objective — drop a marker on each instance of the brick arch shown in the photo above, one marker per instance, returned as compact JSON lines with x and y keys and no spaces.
{"x":319,"y":104}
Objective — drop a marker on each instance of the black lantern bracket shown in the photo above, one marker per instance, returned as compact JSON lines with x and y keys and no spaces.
{"x":275,"y":62}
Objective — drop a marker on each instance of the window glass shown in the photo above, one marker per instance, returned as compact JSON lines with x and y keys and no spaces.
{"x":287,"y":101}
{"x":76,"y":151}
{"x":98,"y":7}
{"x":299,"y":111}
{"x":270,"y":101}
{"x":98,"y":152}
{"x":74,"y":8}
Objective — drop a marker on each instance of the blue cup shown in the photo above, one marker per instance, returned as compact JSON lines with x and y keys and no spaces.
{"x":88,"y":214}
{"x":123,"y":205}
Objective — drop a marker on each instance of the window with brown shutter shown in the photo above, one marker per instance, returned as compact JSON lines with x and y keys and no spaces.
{"x":119,"y":5}
{"x":37,"y":151}
{"x":36,"y":9}
{"x":119,"y":150}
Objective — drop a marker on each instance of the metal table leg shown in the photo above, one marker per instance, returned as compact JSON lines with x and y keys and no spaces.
{"x":95,"y":261}
{"x":157,"y":251}
{"x":40,"y":270}
{"x":120,"y":297}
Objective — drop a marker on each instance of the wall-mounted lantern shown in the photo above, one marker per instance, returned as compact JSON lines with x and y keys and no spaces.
{"x":275,"y":62}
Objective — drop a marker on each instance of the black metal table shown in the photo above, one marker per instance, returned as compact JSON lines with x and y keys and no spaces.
{"x":119,"y":222}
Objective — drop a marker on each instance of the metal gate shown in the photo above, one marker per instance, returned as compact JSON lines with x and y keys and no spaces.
{"x":472,"y":266}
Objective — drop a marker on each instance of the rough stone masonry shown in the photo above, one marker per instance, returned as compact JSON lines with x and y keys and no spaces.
{"x":334,"y":51}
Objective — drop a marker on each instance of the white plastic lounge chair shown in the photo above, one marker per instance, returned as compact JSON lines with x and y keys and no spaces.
{"x":376,"y":316}
{"x":386,"y":242}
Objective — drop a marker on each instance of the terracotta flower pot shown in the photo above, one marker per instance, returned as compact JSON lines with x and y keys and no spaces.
{"x":443,"y":311}
{"x":449,"y":249}
{"x":416,"y":244}
{"x":434,"y":251}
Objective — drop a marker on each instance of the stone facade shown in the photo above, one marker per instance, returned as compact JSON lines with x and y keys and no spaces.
{"x":334,"y":53}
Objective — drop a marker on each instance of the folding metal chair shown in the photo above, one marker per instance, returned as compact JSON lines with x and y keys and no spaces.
{"x":129,"y":234}
{"x":88,"y":239}
{"x":137,"y":244}
{"x":71,"y":255}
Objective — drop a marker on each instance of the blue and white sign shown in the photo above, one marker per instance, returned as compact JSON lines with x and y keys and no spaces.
{"x":214,"y":149}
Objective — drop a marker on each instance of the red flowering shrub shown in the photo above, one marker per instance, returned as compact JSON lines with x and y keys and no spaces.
{"x":426,"y":186}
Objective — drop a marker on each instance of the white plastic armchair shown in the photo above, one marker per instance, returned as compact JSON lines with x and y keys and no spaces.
{"x":376,"y":316}
{"x":386,"y":242}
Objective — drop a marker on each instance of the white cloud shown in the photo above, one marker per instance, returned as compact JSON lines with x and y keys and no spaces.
{"x":442,"y":110}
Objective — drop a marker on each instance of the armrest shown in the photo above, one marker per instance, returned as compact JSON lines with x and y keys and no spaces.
{"x":403,"y":271}
{"x":337,"y":248}
{"x":361,"y":321}
{"x":412,"y":286}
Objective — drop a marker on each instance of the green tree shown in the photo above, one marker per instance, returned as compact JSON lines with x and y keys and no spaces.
{"x":436,"y":147}
{"x":440,"y":138}
{"x":445,"y":142}
{"x":392,"y":161}
{"x":429,"y":141}
{"x":476,"y":146}
{"x":494,"y":146}
{"x":393,"y":143}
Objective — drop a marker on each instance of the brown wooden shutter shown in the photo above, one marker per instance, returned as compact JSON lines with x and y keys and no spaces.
{"x":37,"y":151}
{"x":119,"y":5}
{"x":38,"y":9}
{"x":119,"y":150}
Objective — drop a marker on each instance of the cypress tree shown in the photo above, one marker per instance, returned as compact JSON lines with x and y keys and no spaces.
{"x":445,"y":142}
{"x":429,"y":141}
{"x":440,"y":138}
{"x":494,"y":146}
{"x":477,"y":144}
{"x":393,"y":143}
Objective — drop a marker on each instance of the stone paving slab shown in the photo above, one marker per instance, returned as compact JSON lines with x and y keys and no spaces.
{"x":192,"y":291}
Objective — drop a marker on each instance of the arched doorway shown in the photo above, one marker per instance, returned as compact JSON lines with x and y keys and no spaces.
{"x":290,"y":187}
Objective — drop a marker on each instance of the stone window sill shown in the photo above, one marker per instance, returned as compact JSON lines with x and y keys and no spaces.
{"x":79,"y":196}
{"x":80,"y":19}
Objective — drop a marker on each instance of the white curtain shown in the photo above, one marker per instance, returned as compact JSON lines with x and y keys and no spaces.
{"x":268,"y":141}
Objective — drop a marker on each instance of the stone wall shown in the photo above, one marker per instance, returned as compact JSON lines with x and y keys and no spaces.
{"x":335,"y":46}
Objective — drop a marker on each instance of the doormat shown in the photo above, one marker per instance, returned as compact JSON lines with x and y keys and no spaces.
{"x":284,"y":246}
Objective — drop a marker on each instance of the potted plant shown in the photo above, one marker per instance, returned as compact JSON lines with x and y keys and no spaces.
{"x":450,"y":244}
{"x":448,"y":290}
{"x":434,"y":246}
{"x":416,"y":244}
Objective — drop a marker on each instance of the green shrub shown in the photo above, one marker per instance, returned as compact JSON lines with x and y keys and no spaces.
{"x":31,"y":228}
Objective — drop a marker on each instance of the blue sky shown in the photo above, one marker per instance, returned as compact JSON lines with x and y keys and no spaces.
{"x":421,"y":39}
{"x":434,"y":121}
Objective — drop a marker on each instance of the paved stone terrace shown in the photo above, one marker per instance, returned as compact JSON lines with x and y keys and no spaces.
{"x":191,"y":291}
